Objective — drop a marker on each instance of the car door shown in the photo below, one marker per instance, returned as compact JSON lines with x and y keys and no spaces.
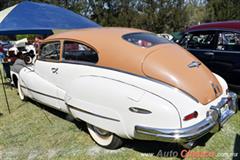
{"x":227,"y":57}
{"x":201,"y":44}
{"x":76,"y":61}
{"x":44,"y":88}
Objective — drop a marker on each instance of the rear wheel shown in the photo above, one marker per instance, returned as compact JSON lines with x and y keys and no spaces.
{"x":20,"y":93}
{"x":104,"y":138}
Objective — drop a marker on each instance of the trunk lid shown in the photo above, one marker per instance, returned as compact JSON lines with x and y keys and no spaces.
{"x":175,"y":66}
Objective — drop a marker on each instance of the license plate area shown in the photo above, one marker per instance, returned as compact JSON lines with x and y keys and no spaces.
{"x":224,"y":108}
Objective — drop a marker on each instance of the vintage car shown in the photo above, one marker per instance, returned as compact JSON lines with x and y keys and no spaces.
{"x":166,"y":35}
{"x":128,"y":83}
{"x":217,"y":45}
{"x":28,"y":53}
{"x":28,"y":50}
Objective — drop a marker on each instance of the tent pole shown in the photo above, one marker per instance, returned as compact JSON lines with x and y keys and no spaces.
{"x":4,"y":90}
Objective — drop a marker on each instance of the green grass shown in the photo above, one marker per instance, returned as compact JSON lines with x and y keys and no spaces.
{"x":26,"y":133}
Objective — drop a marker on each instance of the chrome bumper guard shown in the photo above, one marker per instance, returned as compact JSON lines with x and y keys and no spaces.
{"x":216,"y":117}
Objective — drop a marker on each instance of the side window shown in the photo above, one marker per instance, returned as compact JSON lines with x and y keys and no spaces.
{"x":74,"y":51}
{"x":202,"y":41}
{"x":50,"y":51}
{"x":228,"y":41}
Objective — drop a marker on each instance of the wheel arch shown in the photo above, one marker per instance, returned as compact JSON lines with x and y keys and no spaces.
{"x":14,"y":77}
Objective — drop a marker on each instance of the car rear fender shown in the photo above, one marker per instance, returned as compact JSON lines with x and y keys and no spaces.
{"x":108,"y":103}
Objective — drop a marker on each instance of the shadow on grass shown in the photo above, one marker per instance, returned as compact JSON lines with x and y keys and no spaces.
{"x":236,"y":149}
{"x":80,"y":124}
{"x":7,"y":85}
{"x":155,"y":148}
{"x":19,"y":106}
{"x":162,"y":149}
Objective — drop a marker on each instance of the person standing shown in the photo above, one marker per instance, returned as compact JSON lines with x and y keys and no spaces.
{"x":2,"y":56}
{"x":37,"y":43}
{"x":19,"y":63}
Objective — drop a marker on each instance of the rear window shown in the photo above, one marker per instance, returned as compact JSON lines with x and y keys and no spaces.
{"x":145,"y":39}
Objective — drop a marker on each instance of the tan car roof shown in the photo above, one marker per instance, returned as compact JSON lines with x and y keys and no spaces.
{"x":163,"y":62}
{"x":112,"y":50}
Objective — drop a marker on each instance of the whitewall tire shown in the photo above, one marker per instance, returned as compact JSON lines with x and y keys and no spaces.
{"x":20,"y":93}
{"x":104,"y":138}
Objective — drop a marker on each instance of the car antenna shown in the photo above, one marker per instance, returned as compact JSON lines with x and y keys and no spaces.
{"x":4,"y":90}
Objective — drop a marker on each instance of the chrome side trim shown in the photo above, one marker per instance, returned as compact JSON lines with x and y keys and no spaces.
{"x":93,"y":114}
{"x":212,"y":123}
{"x":139,"y":110}
{"x":43,"y":94}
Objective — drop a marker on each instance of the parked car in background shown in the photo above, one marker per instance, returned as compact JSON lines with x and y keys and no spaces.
{"x":166,"y":35}
{"x":28,"y":54}
{"x":130,"y":84}
{"x":177,"y":36}
{"x":22,"y":45}
{"x":217,"y":45}
{"x":6,"y":45}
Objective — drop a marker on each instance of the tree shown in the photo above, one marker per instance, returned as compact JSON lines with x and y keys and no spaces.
{"x":221,"y":10}
{"x":153,"y":15}
{"x":196,"y":11}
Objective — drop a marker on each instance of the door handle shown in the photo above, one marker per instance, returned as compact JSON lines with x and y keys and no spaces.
{"x":54,"y":70}
{"x":209,"y":53}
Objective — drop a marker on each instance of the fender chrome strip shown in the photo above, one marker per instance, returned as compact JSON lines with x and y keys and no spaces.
{"x":43,"y":94}
{"x":93,"y":114}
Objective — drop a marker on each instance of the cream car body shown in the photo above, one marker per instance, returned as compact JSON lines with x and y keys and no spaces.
{"x":117,"y":103}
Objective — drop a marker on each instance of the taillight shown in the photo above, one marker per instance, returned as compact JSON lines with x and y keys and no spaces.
{"x":191,"y":116}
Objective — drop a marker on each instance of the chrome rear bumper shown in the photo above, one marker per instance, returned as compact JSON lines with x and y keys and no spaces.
{"x":213,"y":122}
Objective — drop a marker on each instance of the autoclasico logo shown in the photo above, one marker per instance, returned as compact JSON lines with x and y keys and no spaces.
{"x":194,"y":154}
{"x":197,"y":154}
